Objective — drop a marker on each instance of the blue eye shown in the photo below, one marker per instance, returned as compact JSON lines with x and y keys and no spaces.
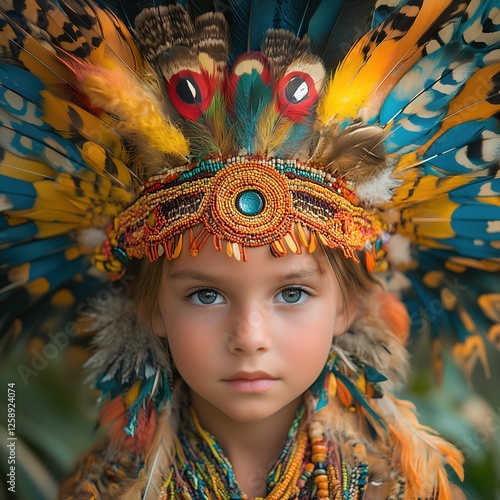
{"x":206,"y":297}
{"x":292,"y":296}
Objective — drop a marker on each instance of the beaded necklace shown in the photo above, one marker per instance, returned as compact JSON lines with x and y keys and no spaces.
{"x":309,"y":467}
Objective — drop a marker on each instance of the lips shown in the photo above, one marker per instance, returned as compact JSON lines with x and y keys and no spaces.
{"x":251,"y":382}
{"x":250,"y":376}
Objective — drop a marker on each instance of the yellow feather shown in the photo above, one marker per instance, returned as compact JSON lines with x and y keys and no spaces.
{"x":119,"y":49}
{"x":44,"y":65}
{"x":59,"y":112}
{"x":370,"y":70}
{"x":472,"y":100}
{"x":494,"y":335}
{"x":25,"y":169}
{"x":427,"y":187}
{"x":272,"y":130}
{"x":138,"y":109}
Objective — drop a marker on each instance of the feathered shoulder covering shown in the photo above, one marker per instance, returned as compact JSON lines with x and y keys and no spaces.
{"x":100,"y":473}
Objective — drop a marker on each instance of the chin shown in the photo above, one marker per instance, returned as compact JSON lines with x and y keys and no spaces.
{"x":251,"y":413}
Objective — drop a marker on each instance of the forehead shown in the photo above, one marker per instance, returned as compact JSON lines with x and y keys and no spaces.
{"x":260,"y":262}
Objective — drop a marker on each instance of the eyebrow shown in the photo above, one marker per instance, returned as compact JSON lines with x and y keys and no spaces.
{"x":302,"y":274}
{"x":207,"y":278}
{"x":180,"y":275}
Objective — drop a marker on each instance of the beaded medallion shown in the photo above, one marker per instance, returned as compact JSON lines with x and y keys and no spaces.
{"x":241,"y":202}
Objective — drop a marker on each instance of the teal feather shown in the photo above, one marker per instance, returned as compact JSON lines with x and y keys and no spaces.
{"x":361,"y":399}
{"x":249,"y":19}
{"x":427,"y":307}
{"x":488,"y":187}
{"x":20,"y":94}
{"x":335,"y":365}
{"x":200,"y":7}
{"x":46,"y":267}
{"x":37,"y":268}
{"x":335,"y":26}
{"x":294,"y":15}
{"x":476,"y":221}
{"x":251,"y":97}
{"x":21,"y":300}
{"x":477,"y":248}
{"x":19,"y":194}
{"x":318,"y":389}
{"x":459,"y":318}
{"x":298,"y":136}
{"x":48,"y":320}
{"x":18,"y":233}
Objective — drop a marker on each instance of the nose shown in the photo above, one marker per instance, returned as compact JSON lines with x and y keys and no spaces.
{"x":249,"y":331}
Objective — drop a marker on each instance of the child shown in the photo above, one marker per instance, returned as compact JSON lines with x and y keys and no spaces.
{"x":246,"y":197}
{"x":248,"y":340}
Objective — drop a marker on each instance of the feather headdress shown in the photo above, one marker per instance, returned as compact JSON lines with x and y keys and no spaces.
{"x":125,"y":128}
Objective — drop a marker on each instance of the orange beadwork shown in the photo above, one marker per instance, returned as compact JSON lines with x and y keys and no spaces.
{"x":245,"y":201}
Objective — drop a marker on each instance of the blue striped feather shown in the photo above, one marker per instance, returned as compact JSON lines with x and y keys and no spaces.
{"x":52,"y":316}
{"x":24,"y":83}
{"x":383,"y":10}
{"x":21,"y":232}
{"x":288,"y":148}
{"x":26,"y":273}
{"x":29,"y":141}
{"x":481,"y":29}
{"x":25,"y":297}
{"x":426,"y":311}
{"x":474,"y":248}
{"x":17,"y":187}
{"x":469,"y":147}
{"x":453,"y":303}
{"x":477,"y":221}
{"x":488,"y":187}
{"x":20,"y":94}
{"x":419,"y":102}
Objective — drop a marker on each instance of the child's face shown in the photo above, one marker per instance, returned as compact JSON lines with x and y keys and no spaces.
{"x":269,"y":319}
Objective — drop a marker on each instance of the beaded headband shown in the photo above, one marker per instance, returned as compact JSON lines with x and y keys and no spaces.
{"x":241,"y":202}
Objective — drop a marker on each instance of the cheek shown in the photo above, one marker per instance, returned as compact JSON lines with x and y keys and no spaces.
{"x":192,"y":346}
{"x":306,"y":345}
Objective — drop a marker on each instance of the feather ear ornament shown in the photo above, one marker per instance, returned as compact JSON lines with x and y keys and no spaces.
{"x":131,"y":369}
